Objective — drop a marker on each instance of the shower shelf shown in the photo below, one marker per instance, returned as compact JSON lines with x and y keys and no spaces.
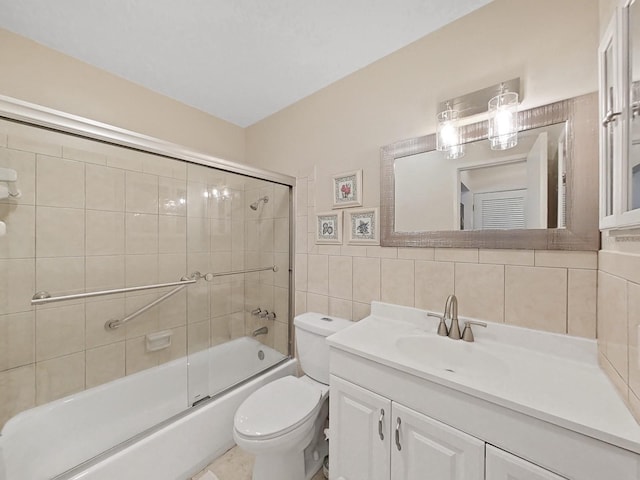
{"x":45,"y":297}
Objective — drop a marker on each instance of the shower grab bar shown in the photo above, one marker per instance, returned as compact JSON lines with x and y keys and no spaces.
{"x":43,"y":297}
{"x":249,"y":270}
{"x":113,"y":324}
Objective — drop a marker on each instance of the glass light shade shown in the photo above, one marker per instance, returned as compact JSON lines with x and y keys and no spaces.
{"x":457,"y":151}
{"x":447,"y":134}
{"x":503,"y":121}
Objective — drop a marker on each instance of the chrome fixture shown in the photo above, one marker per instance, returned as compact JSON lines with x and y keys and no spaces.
{"x":117,"y":323}
{"x":260,"y":331}
{"x":256,"y":311}
{"x":267,"y":314}
{"x":443,"y":331}
{"x":254,"y":205}
{"x":42,"y":297}
{"x":467,"y":333}
{"x":498,"y":104}
{"x":451,"y":311}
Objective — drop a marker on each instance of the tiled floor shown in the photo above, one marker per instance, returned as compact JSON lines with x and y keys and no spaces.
{"x":235,"y":465}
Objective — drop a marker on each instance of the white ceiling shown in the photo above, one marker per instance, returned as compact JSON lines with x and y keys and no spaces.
{"x":240,"y":60}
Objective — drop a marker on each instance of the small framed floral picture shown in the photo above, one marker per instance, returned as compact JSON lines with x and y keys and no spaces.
{"x":362,"y":227}
{"x":347,"y":189}
{"x":329,"y":227}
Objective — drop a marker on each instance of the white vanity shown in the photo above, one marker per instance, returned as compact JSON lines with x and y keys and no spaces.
{"x":516,"y":404}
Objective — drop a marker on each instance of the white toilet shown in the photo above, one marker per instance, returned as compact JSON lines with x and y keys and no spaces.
{"x":283,"y":422}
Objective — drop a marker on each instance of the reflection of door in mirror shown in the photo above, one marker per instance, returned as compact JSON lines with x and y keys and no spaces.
{"x":479,"y":190}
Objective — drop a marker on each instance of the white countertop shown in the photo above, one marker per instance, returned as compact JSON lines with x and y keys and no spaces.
{"x":555,"y":378}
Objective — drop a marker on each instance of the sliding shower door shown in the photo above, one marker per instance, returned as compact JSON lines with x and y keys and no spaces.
{"x":238,"y":322}
{"x":162,"y":246}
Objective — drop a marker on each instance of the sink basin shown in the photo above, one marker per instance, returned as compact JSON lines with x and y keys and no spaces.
{"x":454,"y":357}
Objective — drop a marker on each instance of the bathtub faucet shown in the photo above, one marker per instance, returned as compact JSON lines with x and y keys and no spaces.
{"x":261,"y":331}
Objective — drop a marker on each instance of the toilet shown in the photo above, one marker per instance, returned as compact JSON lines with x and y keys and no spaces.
{"x":282,"y":423}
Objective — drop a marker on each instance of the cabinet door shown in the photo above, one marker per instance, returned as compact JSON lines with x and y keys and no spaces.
{"x":359,"y":433}
{"x":425,"y":449}
{"x":504,"y":466}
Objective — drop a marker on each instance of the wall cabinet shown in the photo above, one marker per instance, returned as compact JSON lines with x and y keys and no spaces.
{"x":375,"y":438}
{"x":619,"y":58}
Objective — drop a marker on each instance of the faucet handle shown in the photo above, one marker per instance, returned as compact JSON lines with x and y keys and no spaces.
{"x":442,"y":326}
{"x":467,"y":333}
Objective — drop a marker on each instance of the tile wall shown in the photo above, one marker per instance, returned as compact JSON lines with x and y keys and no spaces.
{"x":619,"y":318}
{"x":96,"y":217}
{"x":545,"y":290}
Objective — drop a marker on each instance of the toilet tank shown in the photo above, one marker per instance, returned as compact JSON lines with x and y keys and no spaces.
{"x":312,"y":329}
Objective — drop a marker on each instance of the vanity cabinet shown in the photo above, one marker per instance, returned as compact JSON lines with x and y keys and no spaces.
{"x":374,"y":438}
{"x":501,"y":465}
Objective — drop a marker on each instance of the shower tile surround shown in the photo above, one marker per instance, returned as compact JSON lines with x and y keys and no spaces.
{"x":95,"y":217}
{"x":546,"y":290}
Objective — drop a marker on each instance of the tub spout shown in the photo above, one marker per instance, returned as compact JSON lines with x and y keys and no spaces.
{"x":260,"y":331}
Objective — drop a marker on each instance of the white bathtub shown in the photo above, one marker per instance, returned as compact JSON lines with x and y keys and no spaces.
{"x":46,"y":441}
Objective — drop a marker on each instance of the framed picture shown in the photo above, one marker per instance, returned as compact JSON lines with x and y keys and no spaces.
{"x":363,"y":227}
{"x":347,"y":189}
{"x":329,"y":227}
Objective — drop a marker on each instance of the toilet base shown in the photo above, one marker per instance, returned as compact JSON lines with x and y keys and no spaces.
{"x":296,"y":464}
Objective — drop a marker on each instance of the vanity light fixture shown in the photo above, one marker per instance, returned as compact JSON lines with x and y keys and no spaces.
{"x":448,"y":134}
{"x":498,"y":104}
{"x":503,"y":120}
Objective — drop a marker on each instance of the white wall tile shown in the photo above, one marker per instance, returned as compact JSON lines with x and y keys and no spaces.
{"x":141,"y":233}
{"x":19,"y":242}
{"x":398,"y":281}
{"x":434,"y":283}
{"x":105,"y":233}
{"x":17,"y":332}
{"x":59,"y":377}
{"x":480,"y":291}
{"x":59,"y":183}
{"x":340,"y":277}
{"x":141,"y":193}
{"x":59,"y":331}
{"x":104,"y":188}
{"x":536,"y":297}
{"x":60,"y":232}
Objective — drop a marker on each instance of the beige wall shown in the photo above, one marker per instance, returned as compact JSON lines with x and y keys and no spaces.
{"x":343,"y":126}
{"x":37,"y":74}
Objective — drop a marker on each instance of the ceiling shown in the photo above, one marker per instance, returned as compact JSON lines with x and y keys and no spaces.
{"x":239,"y":60}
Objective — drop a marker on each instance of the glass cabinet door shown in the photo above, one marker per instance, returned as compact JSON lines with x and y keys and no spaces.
{"x":631,"y":192}
{"x":610,"y":111}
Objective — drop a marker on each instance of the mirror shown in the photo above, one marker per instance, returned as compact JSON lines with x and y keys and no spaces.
{"x":486,"y":189}
{"x":541,"y":194}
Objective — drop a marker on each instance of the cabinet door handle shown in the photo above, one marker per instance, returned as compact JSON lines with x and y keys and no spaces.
{"x":380,"y":424}
{"x":609,"y":117}
{"x":398,"y":446}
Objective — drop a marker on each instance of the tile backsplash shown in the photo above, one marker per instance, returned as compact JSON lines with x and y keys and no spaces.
{"x":619,"y":321}
{"x":546,"y":290}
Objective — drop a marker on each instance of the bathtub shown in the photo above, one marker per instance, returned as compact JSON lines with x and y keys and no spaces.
{"x":96,"y":434}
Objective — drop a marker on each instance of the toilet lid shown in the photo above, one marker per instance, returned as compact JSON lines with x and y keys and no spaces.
{"x":277,"y":408}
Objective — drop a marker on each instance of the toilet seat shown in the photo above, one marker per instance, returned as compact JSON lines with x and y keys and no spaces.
{"x":277,"y":408}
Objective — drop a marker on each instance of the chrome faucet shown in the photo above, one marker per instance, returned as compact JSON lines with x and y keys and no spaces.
{"x":260,"y":331}
{"x":451,"y":311}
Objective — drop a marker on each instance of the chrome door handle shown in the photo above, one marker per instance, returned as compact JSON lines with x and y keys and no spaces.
{"x":380,"y":424}
{"x":398,"y":446}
